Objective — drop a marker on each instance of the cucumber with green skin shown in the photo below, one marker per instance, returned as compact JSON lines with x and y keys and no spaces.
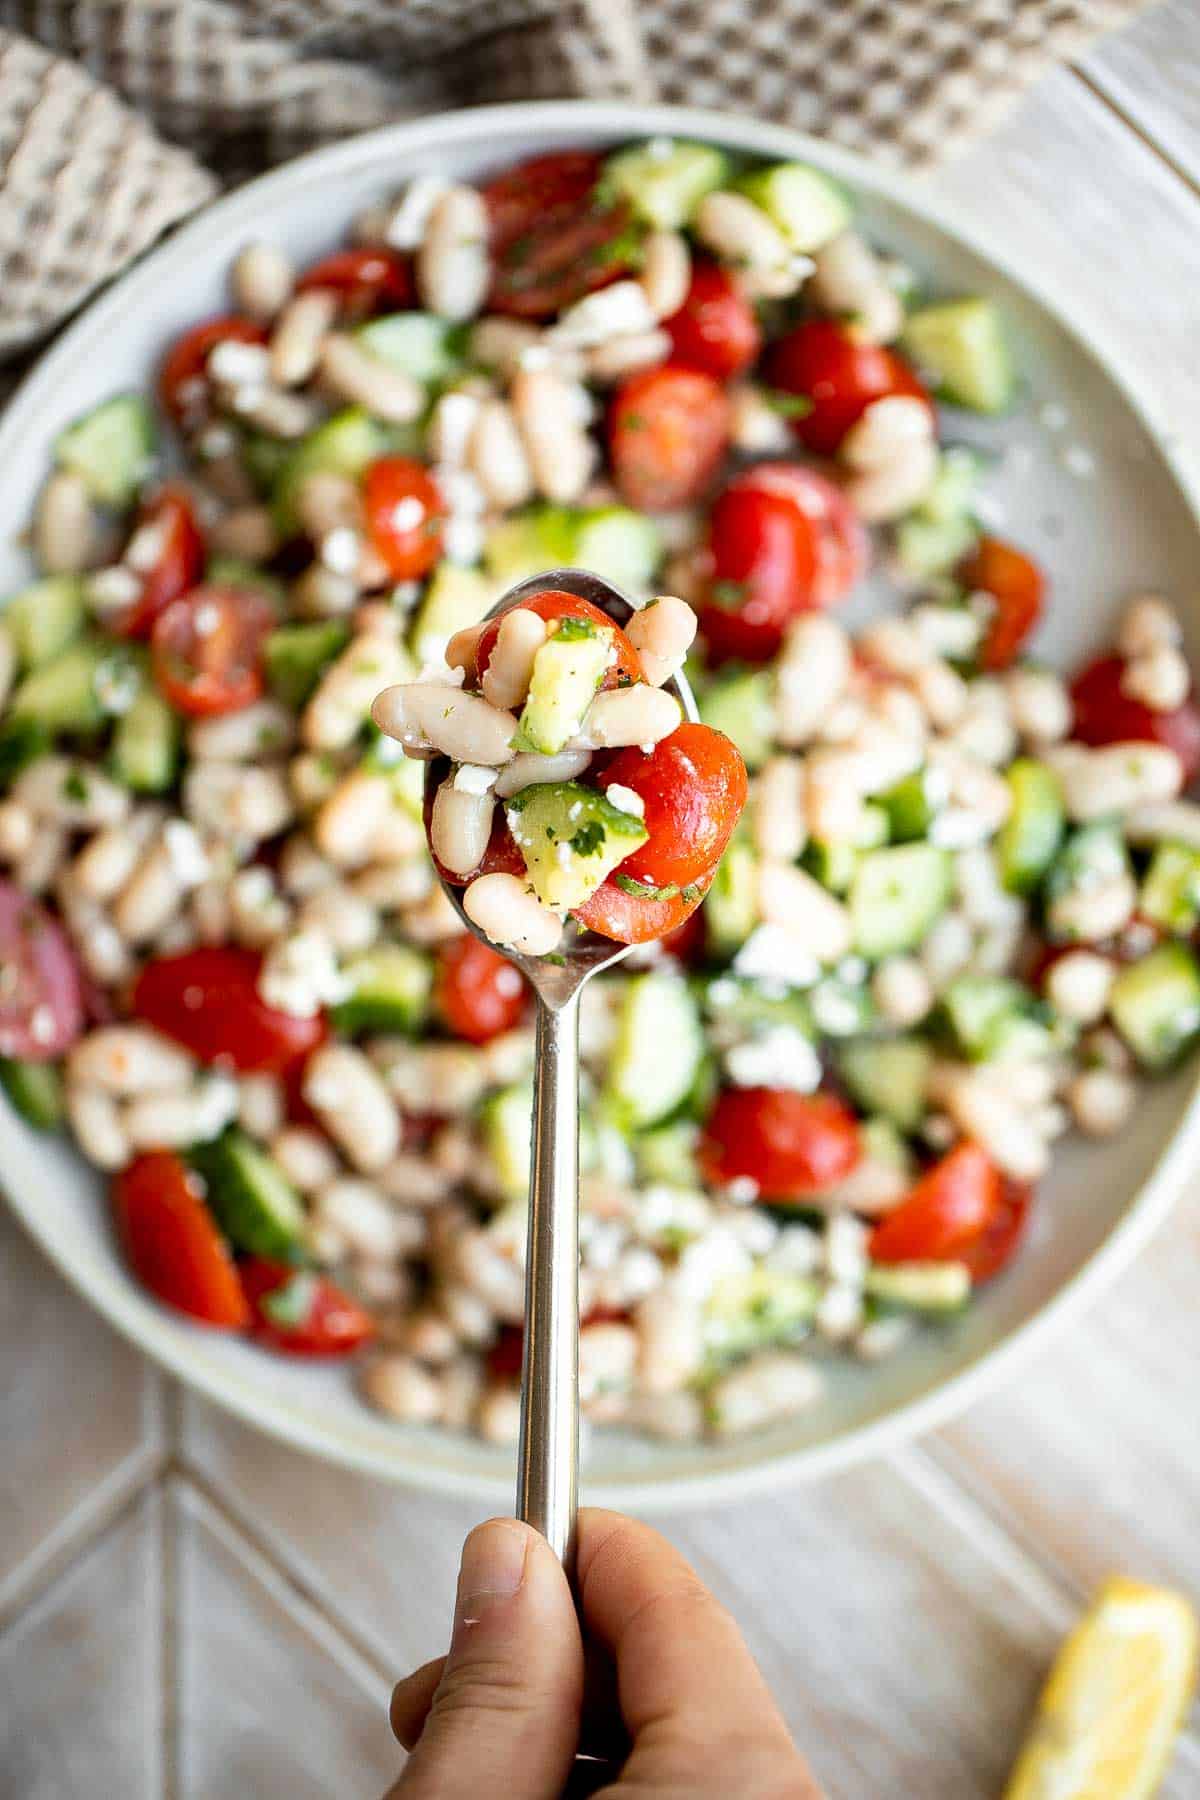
{"x":1170,"y":890}
{"x":933,"y":538}
{"x":390,"y":989}
{"x":145,"y":746}
{"x":665,"y":182}
{"x":667,"y":1154}
{"x":731,"y":907}
{"x":888,"y":1076}
{"x":801,"y":202}
{"x":895,"y":897}
{"x":993,"y":1016}
{"x":1031,"y":836}
{"x":61,"y":695}
{"x":346,"y":445}
{"x":960,"y":345}
{"x":35,"y":1090}
{"x":571,"y":838}
{"x":937,"y":1289}
{"x":421,"y":344}
{"x":455,"y":598}
{"x":658,"y":1052}
{"x":567,"y":672}
{"x":296,"y":656}
{"x":730,"y":1002}
{"x":1155,"y":1005}
{"x":506,"y":1125}
{"x":249,"y":1195}
{"x":45,"y":617}
{"x":755,"y":1310}
{"x":112,"y":449}
{"x":741,"y":704}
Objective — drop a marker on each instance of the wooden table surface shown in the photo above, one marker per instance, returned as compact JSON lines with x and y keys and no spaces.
{"x":192,"y":1612}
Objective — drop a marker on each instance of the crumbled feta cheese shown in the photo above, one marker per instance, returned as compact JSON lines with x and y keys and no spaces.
{"x":218,"y":1104}
{"x":300,"y":975}
{"x":796,"y":1251}
{"x":562,"y":855}
{"x":473,"y":778}
{"x":463,"y":539}
{"x":438,"y":669}
{"x":146,"y":546}
{"x":340,"y":550}
{"x":710,"y":1259}
{"x":535,"y":356}
{"x":845,"y":1248}
{"x":626,"y":801}
{"x":409,"y":218}
{"x":239,"y":365}
{"x":839,"y":1311}
{"x":611,"y":312}
{"x":186,"y":853}
{"x":111,"y":590}
{"x":772,"y":954}
{"x":660,"y":1211}
{"x":781,"y":1057}
{"x":834,"y":1012}
{"x":117,"y":684}
{"x":461,"y":491}
{"x":947,"y":630}
{"x":450,"y":427}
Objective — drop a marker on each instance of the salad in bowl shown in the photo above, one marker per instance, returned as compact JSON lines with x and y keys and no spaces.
{"x":953,"y":925}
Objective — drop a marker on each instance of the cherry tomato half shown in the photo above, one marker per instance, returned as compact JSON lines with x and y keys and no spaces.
{"x":172,"y":1241}
{"x":762,"y":566}
{"x":1017,"y":586}
{"x":181,"y":384}
{"x":552,"y":240}
{"x":716,"y":329}
{"x":1003,"y":1234}
{"x":520,"y":199}
{"x":949,"y":1209}
{"x":1106,"y":715}
{"x":300,"y":1312}
{"x":405,"y":515}
{"x":41,"y":992}
{"x":206,"y":650}
{"x":668,"y":430}
{"x":168,"y":558}
{"x":843,"y":549}
{"x":208,"y":1001}
{"x":635,"y":919}
{"x":555,"y":604}
{"x":788,"y":1143}
{"x":366,"y":282}
{"x":839,"y":377}
{"x":477,"y":993}
{"x":693,"y":788}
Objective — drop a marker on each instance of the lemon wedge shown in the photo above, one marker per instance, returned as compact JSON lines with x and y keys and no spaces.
{"x":1115,"y":1698}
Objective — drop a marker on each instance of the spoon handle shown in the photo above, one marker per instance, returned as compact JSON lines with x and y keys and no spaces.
{"x":548,"y":1464}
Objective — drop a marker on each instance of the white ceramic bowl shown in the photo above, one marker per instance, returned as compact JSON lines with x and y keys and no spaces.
{"x":1129,"y":524}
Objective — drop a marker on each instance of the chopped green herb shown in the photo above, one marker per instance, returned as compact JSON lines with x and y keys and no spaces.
{"x":571,"y":630}
{"x":644,"y":890}
{"x":789,"y":406}
{"x":589,"y":839}
{"x":75,"y":786}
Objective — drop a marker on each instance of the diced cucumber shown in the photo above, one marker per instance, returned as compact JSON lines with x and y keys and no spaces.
{"x":743,"y":1007}
{"x":932,"y":1287}
{"x":623,"y":546}
{"x":731,"y":907}
{"x":1170,"y":893}
{"x":665,"y":182}
{"x":45,"y":617}
{"x":567,"y":671}
{"x":456,"y":598}
{"x":841,"y":1009}
{"x":247,"y":577}
{"x":833,"y":865}
{"x":543,"y":537}
{"x":882,"y":1141}
{"x":145,"y":746}
{"x":807,"y":207}
{"x":1089,"y":857}
{"x":955,"y":485}
{"x":421,"y":344}
{"x":741,"y":705}
{"x":658,"y":1050}
{"x":993,"y":1018}
{"x":61,"y":695}
{"x":112,"y":448}
{"x":895,"y":897}
{"x":249,"y":1195}
{"x":389,"y":991}
{"x":408,"y":786}
{"x":753,"y":1310}
{"x":937,"y":534}
{"x":888,"y":1076}
{"x":506,"y":1125}
{"x":22,"y":741}
{"x":960,"y":345}
{"x":346,"y":445}
{"x":35,"y":1090}
{"x":296,"y":656}
{"x":667,"y":1154}
{"x":913,"y":804}
{"x":1155,"y":1005}
{"x":1030,"y":838}
{"x":571,"y":837}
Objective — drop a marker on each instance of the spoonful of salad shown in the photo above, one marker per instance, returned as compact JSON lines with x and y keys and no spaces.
{"x":574,"y":807}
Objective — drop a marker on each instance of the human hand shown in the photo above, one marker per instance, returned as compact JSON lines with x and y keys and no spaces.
{"x":501,"y":1714}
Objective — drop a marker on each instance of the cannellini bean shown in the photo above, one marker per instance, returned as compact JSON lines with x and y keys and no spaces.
{"x":1157,"y":819}
{"x":1159,"y":678}
{"x":303,"y":871}
{"x":262,"y":279}
{"x":340,"y":915}
{"x":758,"y":1392}
{"x":129,"y":1060}
{"x":1148,"y":624}
{"x":451,"y":423}
{"x":632,"y":715}
{"x":777,"y":809}
{"x":461,"y":725}
{"x":460,"y":826}
{"x":296,"y":342}
{"x":1097,"y":783}
{"x":352,"y":373}
{"x":273,"y":410}
{"x":400,"y":1387}
{"x":998,"y":1119}
{"x":981,"y":892}
{"x":312,"y":778}
{"x":321,"y":593}
{"x":17,"y":830}
{"x":150,"y":898}
{"x":461,"y":649}
{"x":66,"y":530}
{"x":1039,"y":704}
{"x":173,"y":1121}
{"x":306,"y":1158}
{"x":942,"y":693}
{"x":326,"y":500}
{"x":210,"y":911}
{"x":462,"y":1389}
{"x":452,"y":263}
{"x":261,"y":1106}
{"x":346,"y":1093}
{"x":662,"y":634}
{"x":338,"y":710}
{"x":666,"y":272}
{"x":230,"y":801}
{"x":427,"y":1335}
{"x":791,"y":899}
{"x":670,"y":1339}
{"x":741,"y":233}
{"x":258,"y":912}
{"x":248,"y":532}
{"x":499,"y":343}
{"x":387,"y":886}
{"x":70,"y":792}
{"x":266,"y":727}
{"x":675,"y":1418}
{"x":102,"y":950}
{"x":41,"y":863}
{"x":622,"y":356}
{"x":902,"y":991}
{"x":432,"y":920}
{"x":833,"y":796}
{"x":608,"y":1356}
{"x":496,"y":455}
{"x":849,"y":283}
{"x":469,"y":1317}
{"x":498,"y":1420}
{"x":506,"y":912}
{"x":478,"y":1265}
{"x":441,"y":1078}
{"x":755,"y":426}
{"x":414,"y":1181}
{"x":896,"y":646}
{"x":506,"y":679}
{"x":885,"y":431}
{"x":946,"y":950}
{"x":610,"y":312}
{"x":885,"y":492}
{"x":365,"y":1220}
{"x":1101,"y":1101}
{"x":1093,"y":913}
{"x":95,"y":1119}
{"x":527,"y":769}
{"x":1078,"y":986}
{"x":561,"y":454}
{"x":811,"y":676}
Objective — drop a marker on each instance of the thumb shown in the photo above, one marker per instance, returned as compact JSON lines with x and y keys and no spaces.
{"x":504,"y":1718}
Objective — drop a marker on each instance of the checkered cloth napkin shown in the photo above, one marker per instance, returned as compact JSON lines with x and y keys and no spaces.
{"x":117,"y":117}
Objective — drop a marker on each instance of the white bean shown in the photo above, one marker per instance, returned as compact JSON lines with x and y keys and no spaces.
{"x":662,"y":634}
{"x":608,"y":1355}
{"x":626,"y":355}
{"x":414,"y":1181}
{"x":443,"y":1078}
{"x":510,"y":670}
{"x":400,"y":1387}
{"x":43,"y":860}
{"x":811,"y":676}
{"x":498,"y":1280}
{"x":777,"y":809}
{"x":670,"y":1340}
{"x":462,"y":1390}
{"x":666,"y":273}
{"x":498,"y":1420}
{"x":1097,"y":783}
{"x":791,"y":899}
{"x":70,"y":792}
{"x":1101,"y":1101}
{"x":354,"y":374}
{"x":347,"y":824}
{"x":1090,"y":914}
{"x":1148,"y":624}
{"x":306,"y":1158}
{"x":388,"y":886}
{"x":1078,"y":986}
{"x":348,"y":921}
{"x":173,"y":1121}
{"x":261,"y":1106}
{"x":499,"y":343}
{"x":66,"y":529}
{"x":262,"y":279}
{"x":885,"y":431}
{"x":561,"y":454}
{"x":210,"y":911}
{"x":338,"y":710}
{"x":675,"y":1418}
{"x":462,"y":726}
{"x":452,"y":262}
{"x":279,"y":414}
{"x":128,"y":1060}
{"x":902,"y":991}
{"x":632,"y":715}
{"x":95,"y":1118}
{"x":298,"y":337}
{"x":258,"y":912}
{"x":849,"y":283}
{"x":741,"y":233}
{"x":432,"y":920}
{"x":1159,"y":678}
{"x":1158,"y":819}
{"x":266,"y":727}
{"x":231,"y":801}
{"x":150,"y":898}
{"x":495,"y":452}
{"x":755,"y":426}
{"x":768,"y":1387}
{"x":17,"y":830}
{"x":984,"y":1108}
{"x":885,"y":492}
{"x":506,"y":912}
{"x":1039,"y":703}
{"x":354,"y":1106}
{"x":527,"y":769}
{"x":946,"y":950}
{"x":248,"y":532}
{"x":320,"y":593}
{"x":365,"y":1220}
{"x":460,"y":826}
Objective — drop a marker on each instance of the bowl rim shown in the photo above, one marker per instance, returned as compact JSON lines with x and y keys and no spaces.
{"x":415,"y":1462}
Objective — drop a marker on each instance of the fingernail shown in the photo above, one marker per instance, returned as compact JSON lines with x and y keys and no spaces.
{"x":493,"y":1568}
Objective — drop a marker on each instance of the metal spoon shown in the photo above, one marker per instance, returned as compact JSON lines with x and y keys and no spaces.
{"x":548,"y":1459}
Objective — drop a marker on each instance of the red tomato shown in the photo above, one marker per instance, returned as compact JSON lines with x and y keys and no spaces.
{"x":522,"y":198}
{"x":173,"y":533}
{"x":302,"y":1313}
{"x":763,"y":563}
{"x":206,"y":650}
{"x":208,"y":1001}
{"x":716,"y":329}
{"x":1003,"y":1234}
{"x":633,"y":919}
{"x":687,"y":942}
{"x":1105,"y":715}
{"x":477,"y":993}
{"x":554,"y":604}
{"x":366,"y":282}
{"x":788,"y":1143}
{"x":1017,"y":586}
{"x":181,"y":384}
{"x":820,"y":360}
{"x":41,"y":992}
{"x":693,"y":786}
{"x":172,"y":1241}
{"x":405,"y":514}
{"x":949,"y":1209}
{"x":843,"y":549}
{"x":552,"y":240}
{"x":668,"y":430}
